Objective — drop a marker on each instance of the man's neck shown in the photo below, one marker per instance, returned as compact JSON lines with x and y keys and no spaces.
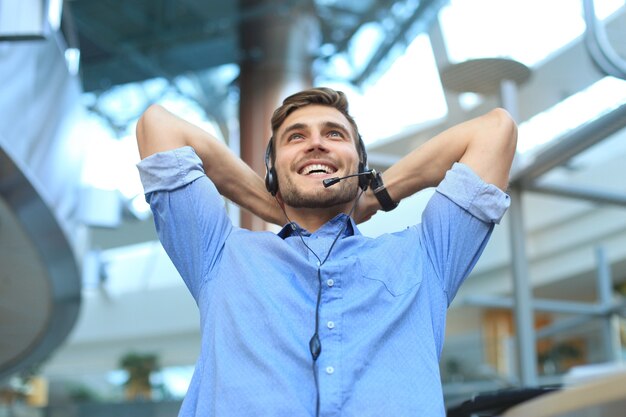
{"x":312,"y":219}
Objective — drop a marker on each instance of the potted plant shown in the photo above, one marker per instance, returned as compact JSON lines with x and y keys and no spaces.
{"x":139,"y":367}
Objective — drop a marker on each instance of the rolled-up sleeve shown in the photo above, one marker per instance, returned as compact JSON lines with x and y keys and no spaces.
{"x":166,"y":171}
{"x":484,"y":201}
{"x":457,"y":223}
{"x":188,"y":211}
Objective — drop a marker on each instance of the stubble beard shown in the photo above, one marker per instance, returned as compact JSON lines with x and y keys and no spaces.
{"x":341,"y":193}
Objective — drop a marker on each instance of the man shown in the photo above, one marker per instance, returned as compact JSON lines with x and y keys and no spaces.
{"x":320,"y":320}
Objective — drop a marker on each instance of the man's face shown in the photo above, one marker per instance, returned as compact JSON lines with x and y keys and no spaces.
{"x":313,"y":143}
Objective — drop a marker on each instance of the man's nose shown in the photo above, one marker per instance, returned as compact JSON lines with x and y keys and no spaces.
{"x":316,"y":141}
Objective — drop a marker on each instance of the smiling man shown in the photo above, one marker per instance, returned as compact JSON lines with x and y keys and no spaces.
{"x":315,"y":142}
{"x":319,"y":319}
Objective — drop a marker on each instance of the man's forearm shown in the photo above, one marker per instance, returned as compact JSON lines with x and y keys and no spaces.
{"x":486,"y":144}
{"x":159,"y":130}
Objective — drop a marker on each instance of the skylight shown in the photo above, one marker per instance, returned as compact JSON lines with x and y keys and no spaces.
{"x":528,"y":31}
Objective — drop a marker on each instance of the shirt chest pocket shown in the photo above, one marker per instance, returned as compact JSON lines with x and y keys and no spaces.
{"x":397,"y":276}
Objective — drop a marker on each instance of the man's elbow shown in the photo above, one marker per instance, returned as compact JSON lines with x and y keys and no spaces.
{"x":147,"y":130}
{"x":505,"y":131}
{"x":497,"y":150}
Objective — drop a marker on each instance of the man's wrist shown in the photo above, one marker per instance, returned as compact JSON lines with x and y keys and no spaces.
{"x":381,"y":193}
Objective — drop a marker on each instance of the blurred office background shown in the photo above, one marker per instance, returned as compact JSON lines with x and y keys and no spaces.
{"x":94,"y":319}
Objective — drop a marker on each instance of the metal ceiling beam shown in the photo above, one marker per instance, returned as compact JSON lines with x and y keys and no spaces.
{"x":570,"y":145}
{"x":546,"y":305}
{"x":598,"y":45}
{"x":596,"y":196}
{"x":211,"y":28}
{"x":421,"y":18}
{"x":563,"y":325}
{"x":364,"y":18}
{"x":97,"y":33}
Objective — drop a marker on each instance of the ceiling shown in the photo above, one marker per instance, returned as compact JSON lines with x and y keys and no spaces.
{"x":127,"y":41}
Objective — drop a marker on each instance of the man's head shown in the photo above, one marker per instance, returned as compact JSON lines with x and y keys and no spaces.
{"x":313,"y":138}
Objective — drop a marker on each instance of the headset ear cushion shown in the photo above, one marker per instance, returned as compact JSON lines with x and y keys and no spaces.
{"x":364,"y":180}
{"x":268,"y":180}
{"x":271,"y":182}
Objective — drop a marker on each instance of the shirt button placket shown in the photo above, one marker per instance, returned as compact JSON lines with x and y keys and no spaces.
{"x":332,"y":339}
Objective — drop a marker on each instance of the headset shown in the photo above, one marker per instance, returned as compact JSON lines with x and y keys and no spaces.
{"x":271,"y":179}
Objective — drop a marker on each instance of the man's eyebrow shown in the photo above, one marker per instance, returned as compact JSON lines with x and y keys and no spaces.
{"x":326,"y":125}
{"x":334,"y":125}
{"x":295,"y":126}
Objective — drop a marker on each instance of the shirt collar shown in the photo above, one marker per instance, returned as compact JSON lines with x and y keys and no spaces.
{"x":330,"y":228}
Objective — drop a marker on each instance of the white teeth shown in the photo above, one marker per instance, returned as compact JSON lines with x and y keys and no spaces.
{"x":317,"y":167}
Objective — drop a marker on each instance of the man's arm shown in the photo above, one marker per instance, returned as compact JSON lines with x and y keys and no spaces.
{"x":486,"y":144}
{"x":159,"y":130}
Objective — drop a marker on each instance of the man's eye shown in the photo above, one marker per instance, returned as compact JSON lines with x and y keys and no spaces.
{"x":335,"y":134}
{"x":295,"y":136}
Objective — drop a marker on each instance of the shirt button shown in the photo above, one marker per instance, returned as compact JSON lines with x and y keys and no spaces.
{"x":330,"y":282}
{"x":330,"y":370}
{"x":331,"y":324}
{"x":319,"y":263}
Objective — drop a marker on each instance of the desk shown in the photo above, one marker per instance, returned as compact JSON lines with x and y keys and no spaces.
{"x":604,"y":397}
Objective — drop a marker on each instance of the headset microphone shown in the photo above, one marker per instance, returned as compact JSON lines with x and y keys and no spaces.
{"x":334,"y":180}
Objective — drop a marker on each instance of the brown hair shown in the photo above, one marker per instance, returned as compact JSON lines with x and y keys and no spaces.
{"x":322,"y":96}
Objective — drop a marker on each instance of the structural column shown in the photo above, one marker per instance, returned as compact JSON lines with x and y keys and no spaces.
{"x":523,"y":306}
{"x":279,"y":44}
{"x":610,"y":328}
{"x":524,"y":317}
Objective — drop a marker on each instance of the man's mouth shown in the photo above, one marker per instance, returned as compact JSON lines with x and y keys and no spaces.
{"x":317,"y":169}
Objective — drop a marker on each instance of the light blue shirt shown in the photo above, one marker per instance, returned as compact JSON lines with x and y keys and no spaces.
{"x":383,"y":300}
